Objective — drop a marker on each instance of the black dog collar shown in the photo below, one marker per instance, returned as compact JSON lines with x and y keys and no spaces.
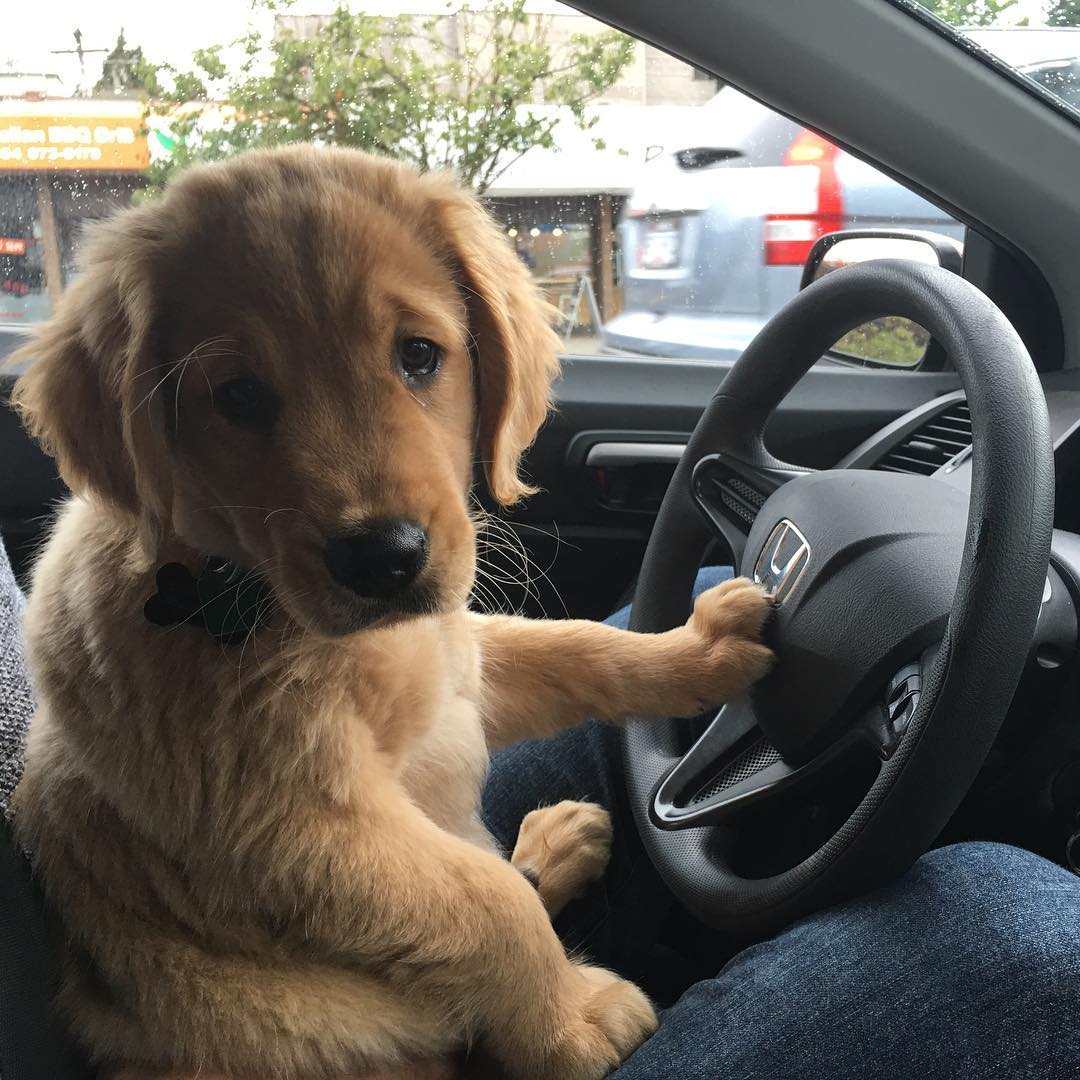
{"x":227,"y":601}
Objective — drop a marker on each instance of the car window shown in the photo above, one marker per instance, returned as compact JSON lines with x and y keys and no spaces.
{"x":718,"y":225}
{"x":660,"y":212}
{"x":1060,"y":77}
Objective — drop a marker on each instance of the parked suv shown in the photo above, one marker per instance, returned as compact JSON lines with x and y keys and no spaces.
{"x":713,"y":238}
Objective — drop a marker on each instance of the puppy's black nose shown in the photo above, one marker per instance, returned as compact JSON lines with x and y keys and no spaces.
{"x":379,"y":558}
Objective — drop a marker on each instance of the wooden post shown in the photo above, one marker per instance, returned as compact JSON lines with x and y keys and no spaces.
{"x":604,"y":256}
{"x":50,"y":238}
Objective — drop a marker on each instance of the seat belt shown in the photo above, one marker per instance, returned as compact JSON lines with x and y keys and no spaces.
{"x":34,"y":1044}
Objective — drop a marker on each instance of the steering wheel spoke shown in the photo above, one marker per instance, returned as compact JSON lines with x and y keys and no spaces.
{"x":730,"y":491}
{"x":734,"y":768}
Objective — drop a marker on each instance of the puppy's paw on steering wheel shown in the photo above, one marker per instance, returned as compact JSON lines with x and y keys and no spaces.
{"x":727,"y":622}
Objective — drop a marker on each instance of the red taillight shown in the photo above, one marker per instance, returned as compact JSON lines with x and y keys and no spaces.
{"x":789,"y":235}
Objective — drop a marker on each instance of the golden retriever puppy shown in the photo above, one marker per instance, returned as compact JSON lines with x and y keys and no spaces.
{"x":252,"y":782}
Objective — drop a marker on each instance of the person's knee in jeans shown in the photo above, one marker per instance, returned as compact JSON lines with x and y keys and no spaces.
{"x":967,"y":967}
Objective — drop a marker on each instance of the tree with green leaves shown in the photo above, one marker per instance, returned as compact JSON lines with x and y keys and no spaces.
{"x":451,"y":92}
{"x":126,"y":73}
{"x":1063,"y":13}
{"x":969,"y":12}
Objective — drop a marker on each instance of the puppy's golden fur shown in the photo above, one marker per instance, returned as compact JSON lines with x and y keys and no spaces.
{"x":268,"y":857}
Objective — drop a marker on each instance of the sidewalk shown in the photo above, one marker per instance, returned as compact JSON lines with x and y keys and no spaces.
{"x":582,"y":344}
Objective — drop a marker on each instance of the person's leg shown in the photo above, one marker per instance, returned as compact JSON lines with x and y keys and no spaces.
{"x":967,"y":968}
{"x":616,"y":922}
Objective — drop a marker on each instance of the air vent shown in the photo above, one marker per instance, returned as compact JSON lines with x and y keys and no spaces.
{"x":933,"y":445}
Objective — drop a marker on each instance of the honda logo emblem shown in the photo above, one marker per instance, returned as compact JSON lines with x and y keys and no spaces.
{"x":782,"y":561}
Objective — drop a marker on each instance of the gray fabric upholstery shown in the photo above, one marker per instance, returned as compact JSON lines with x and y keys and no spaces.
{"x":16,"y":698}
{"x":33,"y":1042}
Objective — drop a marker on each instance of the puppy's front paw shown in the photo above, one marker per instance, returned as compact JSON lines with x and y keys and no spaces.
{"x":728,"y":620}
{"x":562,"y":849}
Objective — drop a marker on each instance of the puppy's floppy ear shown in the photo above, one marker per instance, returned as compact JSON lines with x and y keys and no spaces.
{"x":86,"y":393}
{"x":515,"y":348}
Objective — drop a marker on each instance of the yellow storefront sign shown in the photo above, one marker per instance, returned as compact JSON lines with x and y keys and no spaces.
{"x":73,"y":134}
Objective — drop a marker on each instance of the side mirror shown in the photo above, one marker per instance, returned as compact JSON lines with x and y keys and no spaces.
{"x":889,"y":341}
{"x":861,"y":245}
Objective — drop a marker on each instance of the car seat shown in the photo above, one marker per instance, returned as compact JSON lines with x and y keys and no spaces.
{"x":34,"y":1044}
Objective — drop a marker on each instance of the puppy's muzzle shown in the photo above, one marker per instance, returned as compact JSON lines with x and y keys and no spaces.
{"x":379,"y":558}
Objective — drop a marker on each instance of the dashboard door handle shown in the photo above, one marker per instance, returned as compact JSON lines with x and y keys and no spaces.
{"x":614,"y":455}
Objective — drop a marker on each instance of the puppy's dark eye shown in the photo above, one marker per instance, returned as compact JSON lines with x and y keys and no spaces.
{"x":246,"y":401}
{"x":419,"y":358}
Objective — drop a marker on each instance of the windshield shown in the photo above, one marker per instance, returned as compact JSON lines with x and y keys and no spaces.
{"x":546,"y":114}
{"x":660,"y":212}
{"x":1038,"y":40}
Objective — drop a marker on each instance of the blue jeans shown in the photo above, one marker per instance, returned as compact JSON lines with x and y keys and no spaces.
{"x":967,"y":968}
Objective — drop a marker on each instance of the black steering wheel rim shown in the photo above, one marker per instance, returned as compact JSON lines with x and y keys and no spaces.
{"x":968,"y":687}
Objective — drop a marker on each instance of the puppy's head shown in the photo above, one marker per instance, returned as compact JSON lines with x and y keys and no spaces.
{"x":291,"y":360}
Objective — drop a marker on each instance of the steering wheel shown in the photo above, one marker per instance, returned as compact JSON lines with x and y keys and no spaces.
{"x":903,"y":617}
